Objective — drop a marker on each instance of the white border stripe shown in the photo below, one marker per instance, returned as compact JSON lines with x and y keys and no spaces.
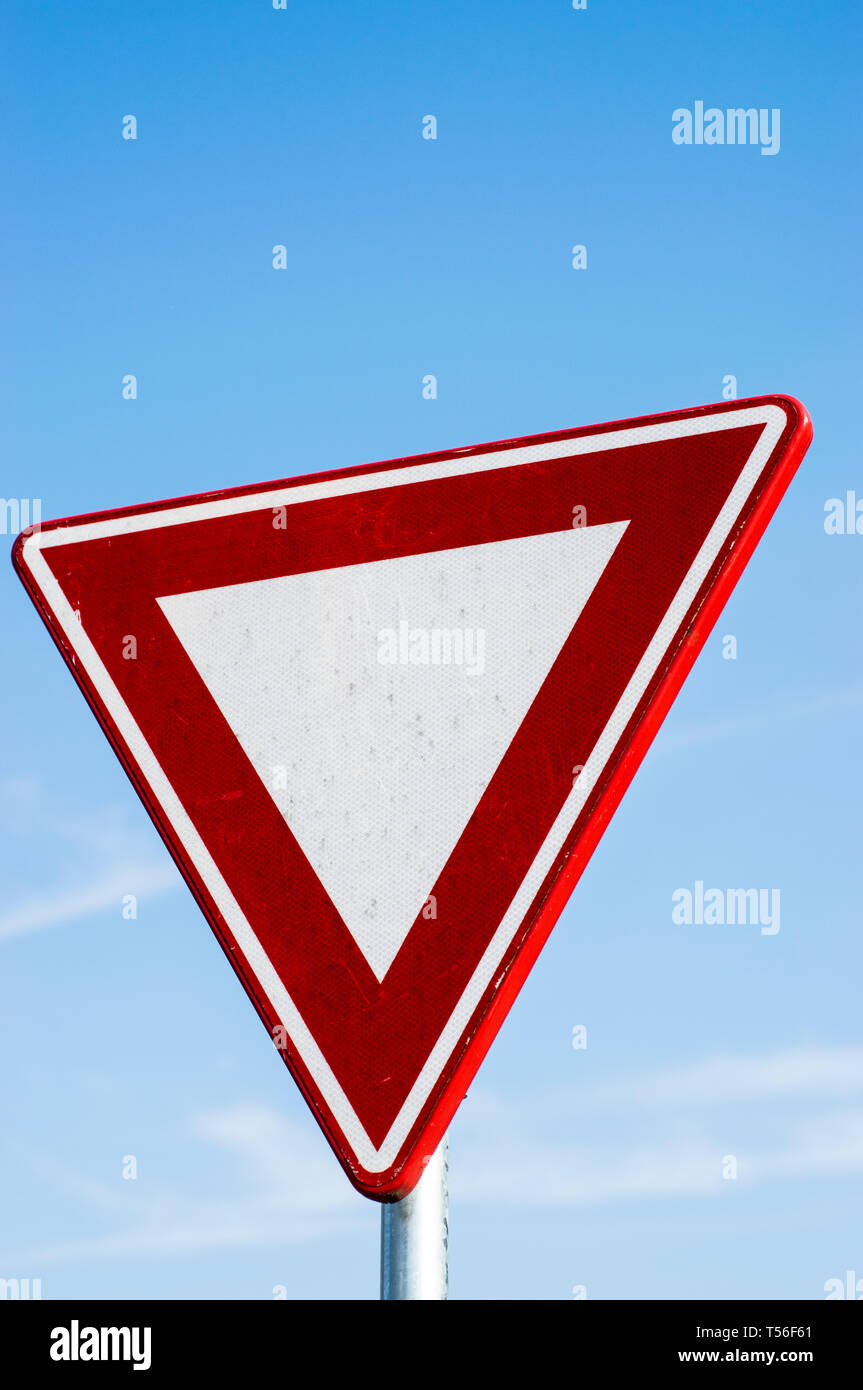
{"x":371,"y":1158}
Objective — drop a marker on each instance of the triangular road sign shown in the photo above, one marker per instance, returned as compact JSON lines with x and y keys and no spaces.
{"x":381,"y":718}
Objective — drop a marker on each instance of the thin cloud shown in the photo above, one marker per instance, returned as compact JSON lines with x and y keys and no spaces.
{"x":86,"y":900}
{"x":838,"y":700}
{"x":502,"y":1169}
{"x":286,"y":1189}
{"x":701,"y":1105}
{"x":78,"y":842}
{"x":729,"y":1078}
{"x":291,"y":1192}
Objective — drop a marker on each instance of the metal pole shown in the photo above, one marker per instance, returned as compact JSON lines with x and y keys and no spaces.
{"x":414,"y":1234}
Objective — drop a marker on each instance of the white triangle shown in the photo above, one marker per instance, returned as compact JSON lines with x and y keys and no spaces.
{"x":376,"y":765}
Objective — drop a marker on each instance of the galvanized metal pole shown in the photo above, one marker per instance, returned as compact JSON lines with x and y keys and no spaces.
{"x":414,"y":1236}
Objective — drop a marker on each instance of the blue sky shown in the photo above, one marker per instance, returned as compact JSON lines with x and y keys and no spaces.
{"x":406,"y":257}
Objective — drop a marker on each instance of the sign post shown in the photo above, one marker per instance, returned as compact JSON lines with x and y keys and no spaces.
{"x":415,"y":1234}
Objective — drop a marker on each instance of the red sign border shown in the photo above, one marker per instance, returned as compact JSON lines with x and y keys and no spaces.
{"x":570,"y":863}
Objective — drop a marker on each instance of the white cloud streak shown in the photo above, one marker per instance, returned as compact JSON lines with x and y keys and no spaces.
{"x":290,"y":1192}
{"x":728,"y":1078}
{"x":74,"y":846}
{"x":287,"y":1189}
{"x":839,"y":700}
{"x":71,"y":904}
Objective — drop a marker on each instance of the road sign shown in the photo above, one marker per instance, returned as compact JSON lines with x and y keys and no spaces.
{"x":381,"y":718}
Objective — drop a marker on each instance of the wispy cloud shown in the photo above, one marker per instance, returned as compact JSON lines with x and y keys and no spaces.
{"x":76,"y":842}
{"x":76,"y":901}
{"x":665,"y":1133}
{"x":283,"y":1187}
{"x":502,"y":1167}
{"x":837,"y":700}
{"x":731,"y":1077}
{"x":289,"y":1191}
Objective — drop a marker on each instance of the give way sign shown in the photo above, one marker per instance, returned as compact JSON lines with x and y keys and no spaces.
{"x":382,"y":716}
